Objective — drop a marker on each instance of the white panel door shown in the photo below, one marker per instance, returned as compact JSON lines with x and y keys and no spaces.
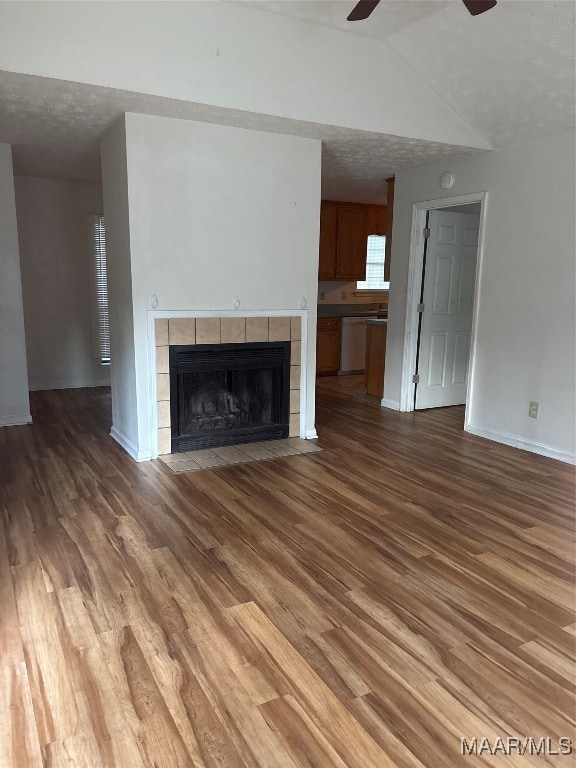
{"x":446,"y":326}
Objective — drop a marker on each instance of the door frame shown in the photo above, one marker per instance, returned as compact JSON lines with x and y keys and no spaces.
{"x":415,"y":264}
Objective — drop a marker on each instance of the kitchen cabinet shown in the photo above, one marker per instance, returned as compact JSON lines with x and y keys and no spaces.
{"x":376,"y":220}
{"x":328,"y":346}
{"x":343,"y":233}
{"x":328,"y":229}
{"x":351,"y":243}
{"x":376,"y":331}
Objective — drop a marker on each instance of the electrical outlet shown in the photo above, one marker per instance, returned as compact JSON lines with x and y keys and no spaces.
{"x":533,"y":410}
{"x":344,"y":295}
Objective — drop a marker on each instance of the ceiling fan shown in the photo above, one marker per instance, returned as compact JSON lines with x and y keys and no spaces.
{"x":364,"y":8}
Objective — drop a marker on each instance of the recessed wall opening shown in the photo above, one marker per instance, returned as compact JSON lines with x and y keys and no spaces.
{"x":442,"y":303}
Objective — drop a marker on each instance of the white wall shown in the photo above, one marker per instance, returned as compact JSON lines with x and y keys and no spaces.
{"x":55,"y":264}
{"x":216,"y":212}
{"x":526,"y":343}
{"x":14,"y":404}
{"x":229,"y":55}
{"x":120,"y":310}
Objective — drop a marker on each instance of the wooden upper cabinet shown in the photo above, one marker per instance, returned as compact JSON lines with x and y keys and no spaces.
{"x":389,"y":221}
{"x":376,"y":220}
{"x":328,"y":233}
{"x":344,"y":229}
{"x":351,"y":243}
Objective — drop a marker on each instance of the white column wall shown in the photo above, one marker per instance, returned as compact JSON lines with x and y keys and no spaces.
{"x":14,"y":402}
{"x":207,"y":213}
{"x":118,"y":258}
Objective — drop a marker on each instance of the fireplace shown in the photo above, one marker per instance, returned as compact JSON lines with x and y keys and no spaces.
{"x":227,"y":394}
{"x":217,"y":329}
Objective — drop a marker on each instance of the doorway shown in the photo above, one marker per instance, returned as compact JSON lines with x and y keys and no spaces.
{"x":442,"y":303}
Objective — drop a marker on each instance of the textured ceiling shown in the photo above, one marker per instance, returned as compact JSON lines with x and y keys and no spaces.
{"x":54,"y":127}
{"x":389,"y":17}
{"x":509,"y":73}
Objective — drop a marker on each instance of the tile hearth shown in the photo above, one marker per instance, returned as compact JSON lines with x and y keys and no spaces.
{"x":192,"y":461}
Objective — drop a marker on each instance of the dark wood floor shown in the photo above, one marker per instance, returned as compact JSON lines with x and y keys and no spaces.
{"x":365,"y":606}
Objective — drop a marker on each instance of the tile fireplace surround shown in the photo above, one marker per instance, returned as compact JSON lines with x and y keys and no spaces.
{"x":222,"y":330}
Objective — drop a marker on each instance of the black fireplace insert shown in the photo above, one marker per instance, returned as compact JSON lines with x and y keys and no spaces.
{"x":227,"y":394}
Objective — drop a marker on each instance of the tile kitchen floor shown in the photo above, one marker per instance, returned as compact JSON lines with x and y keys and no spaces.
{"x":192,"y":461}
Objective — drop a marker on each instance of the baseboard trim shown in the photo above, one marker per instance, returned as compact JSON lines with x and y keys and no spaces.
{"x":520,"y":442}
{"x":15,"y":421}
{"x":311,"y":434}
{"x":394,"y":405}
{"x":39,"y":386}
{"x":130,"y":447}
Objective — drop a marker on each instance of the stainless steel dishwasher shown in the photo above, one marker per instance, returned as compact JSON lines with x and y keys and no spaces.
{"x":353,"y":348}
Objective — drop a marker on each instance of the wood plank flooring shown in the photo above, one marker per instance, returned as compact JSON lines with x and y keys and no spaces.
{"x":364,"y":607}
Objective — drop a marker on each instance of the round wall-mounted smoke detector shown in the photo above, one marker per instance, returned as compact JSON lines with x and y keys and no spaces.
{"x":446,"y":180}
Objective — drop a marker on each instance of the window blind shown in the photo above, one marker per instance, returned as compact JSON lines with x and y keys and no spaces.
{"x":375,"y":258}
{"x":99,"y":290}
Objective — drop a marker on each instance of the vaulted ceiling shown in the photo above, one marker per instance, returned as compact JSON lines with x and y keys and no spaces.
{"x":508,"y":74}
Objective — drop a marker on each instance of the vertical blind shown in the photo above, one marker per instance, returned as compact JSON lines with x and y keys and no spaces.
{"x":99,"y":289}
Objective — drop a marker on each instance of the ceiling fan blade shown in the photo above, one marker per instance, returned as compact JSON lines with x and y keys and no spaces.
{"x":476,"y":7}
{"x":362,"y":10}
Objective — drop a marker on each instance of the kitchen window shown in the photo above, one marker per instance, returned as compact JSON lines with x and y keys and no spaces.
{"x":375,"y":258}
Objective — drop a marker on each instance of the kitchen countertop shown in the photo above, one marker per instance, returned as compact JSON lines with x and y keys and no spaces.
{"x":348,"y":310}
